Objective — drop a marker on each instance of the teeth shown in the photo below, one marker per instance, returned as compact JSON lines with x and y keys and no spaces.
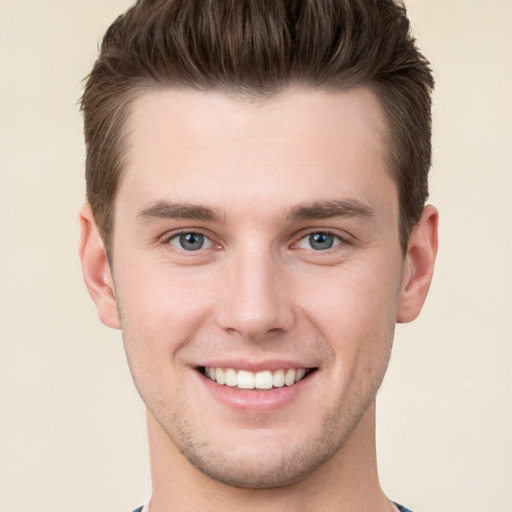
{"x":263,"y":380}
{"x":231,"y":377}
{"x":278,"y":379}
{"x":220,"y":375}
{"x":244,"y":379}
{"x":289,"y":378}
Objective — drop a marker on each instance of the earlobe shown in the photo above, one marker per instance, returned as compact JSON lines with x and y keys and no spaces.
{"x":418,"y":265}
{"x":96,"y":270}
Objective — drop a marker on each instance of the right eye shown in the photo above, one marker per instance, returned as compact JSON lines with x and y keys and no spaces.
{"x":190,"y":241}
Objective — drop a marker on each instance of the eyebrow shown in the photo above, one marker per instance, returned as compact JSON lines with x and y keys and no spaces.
{"x":167,"y":210}
{"x":329,"y":209}
{"x":317,"y":210}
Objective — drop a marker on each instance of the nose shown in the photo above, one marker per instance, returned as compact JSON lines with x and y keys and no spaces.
{"x":257,"y":299}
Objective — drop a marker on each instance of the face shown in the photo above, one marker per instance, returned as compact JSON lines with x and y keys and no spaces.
{"x":257,"y":272}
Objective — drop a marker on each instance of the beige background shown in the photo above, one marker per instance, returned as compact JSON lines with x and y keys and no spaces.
{"x":72,"y":433}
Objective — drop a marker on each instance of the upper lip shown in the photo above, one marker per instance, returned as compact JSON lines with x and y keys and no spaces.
{"x":255,"y":366}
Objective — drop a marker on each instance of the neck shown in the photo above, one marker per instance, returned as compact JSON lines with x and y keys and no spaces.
{"x":346,"y":482}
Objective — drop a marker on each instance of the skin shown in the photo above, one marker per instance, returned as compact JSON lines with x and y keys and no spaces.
{"x":259,"y":178}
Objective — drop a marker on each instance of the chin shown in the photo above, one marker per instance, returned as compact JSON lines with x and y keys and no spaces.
{"x":265,"y":462}
{"x":277,"y":470}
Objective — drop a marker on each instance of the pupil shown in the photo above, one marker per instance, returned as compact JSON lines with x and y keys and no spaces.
{"x":321,"y":241}
{"x":191,"y":241}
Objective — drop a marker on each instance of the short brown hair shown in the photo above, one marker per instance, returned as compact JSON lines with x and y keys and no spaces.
{"x":256,"y":48}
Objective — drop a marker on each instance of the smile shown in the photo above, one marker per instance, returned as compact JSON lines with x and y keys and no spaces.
{"x":244,"y":379}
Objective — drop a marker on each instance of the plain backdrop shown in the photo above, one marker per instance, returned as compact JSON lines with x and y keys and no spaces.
{"x":72,"y":429}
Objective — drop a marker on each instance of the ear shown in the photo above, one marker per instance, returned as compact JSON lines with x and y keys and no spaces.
{"x":96,"y":270}
{"x":418,"y":265}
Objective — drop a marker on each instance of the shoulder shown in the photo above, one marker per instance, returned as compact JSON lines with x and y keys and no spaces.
{"x":398,"y":506}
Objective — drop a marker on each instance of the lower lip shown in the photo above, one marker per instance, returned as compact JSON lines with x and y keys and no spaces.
{"x":256,"y":401}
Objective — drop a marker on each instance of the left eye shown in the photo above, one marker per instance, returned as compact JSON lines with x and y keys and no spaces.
{"x":319,"y":241}
{"x":190,"y":241}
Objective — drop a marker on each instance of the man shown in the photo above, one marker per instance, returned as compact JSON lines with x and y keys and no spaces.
{"x":256,"y":225}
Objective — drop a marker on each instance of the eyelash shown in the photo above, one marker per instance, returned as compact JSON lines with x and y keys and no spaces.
{"x":338,"y":240}
{"x":179,"y":234}
{"x":336,"y":236}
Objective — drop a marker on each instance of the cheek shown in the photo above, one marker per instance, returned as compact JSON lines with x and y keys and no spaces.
{"x":355,"y":313}
{"x":159,"y":315}
{"x":352,"y":298}
{"x":160,"y":302}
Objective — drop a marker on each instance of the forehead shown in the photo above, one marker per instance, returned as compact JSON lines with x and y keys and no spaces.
{"x":199,"y":117}
{"x":299,"y":143}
